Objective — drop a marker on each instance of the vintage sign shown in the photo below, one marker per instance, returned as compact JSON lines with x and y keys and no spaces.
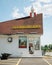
{"x":27,"y":27}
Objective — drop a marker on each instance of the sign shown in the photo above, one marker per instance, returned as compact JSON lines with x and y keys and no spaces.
{"x":27,"y":27}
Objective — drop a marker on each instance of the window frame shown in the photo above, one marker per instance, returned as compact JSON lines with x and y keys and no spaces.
{"x":24,"y":43}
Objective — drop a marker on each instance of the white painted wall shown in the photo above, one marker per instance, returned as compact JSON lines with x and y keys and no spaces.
{"x":13,"y":47}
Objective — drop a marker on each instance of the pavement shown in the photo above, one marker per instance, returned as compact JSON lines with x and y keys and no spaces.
{"x":48,"y":59}
{"x":33,"y":61}
{"x":10,"y":61}
{"x":27,"y":61}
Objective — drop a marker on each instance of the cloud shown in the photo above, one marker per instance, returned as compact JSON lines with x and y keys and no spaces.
{"x":16,"y":13}
{"x":27,"y":10}
{"x":45,"y":9}
{"x":37,"y":8}
{"x":44,"y":1}
{"x":31,"y":0}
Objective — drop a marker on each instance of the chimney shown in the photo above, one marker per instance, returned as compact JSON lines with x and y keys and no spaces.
{"x":32,"y":13}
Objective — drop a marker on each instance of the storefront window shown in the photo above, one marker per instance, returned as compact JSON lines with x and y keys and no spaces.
{"x":22,"y":42}
{"x":37,"y":45}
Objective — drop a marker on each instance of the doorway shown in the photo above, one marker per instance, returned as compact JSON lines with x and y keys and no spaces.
{"x":31,"y":48}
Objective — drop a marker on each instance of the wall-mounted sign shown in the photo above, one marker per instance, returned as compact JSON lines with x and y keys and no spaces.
{"x":27,"y":27}
{"x":9,"y":39}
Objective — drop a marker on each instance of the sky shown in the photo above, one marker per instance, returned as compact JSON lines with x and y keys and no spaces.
{"x":13,"y":9}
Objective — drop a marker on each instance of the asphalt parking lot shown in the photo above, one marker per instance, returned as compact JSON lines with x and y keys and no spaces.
{"x":27,"y":61}
{"x":33,"y":61}
{"x":11,"y":61}
{"x":48,"y":60}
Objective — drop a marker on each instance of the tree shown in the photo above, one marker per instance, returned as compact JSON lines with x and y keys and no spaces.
{"x":44,"y":49}
{"x":50,"y":47}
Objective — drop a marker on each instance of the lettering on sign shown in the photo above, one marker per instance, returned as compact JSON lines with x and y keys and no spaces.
{"x":27,"y":27}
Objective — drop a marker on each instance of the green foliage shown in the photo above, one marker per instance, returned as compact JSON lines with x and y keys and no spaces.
{"x":46,"y":47}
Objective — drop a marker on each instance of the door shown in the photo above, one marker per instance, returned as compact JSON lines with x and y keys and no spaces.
{"x":31,"y":51}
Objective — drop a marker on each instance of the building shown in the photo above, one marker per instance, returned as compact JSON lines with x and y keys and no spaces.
{"x":21,"y":37}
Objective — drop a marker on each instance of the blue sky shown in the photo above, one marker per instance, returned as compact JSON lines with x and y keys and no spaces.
{"x":12,"y":9}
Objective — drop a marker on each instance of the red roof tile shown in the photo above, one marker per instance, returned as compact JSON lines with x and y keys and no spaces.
{"x":7,"y":26}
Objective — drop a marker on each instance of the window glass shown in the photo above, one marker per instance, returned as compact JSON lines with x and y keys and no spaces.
{"x":37,"y":45}
{"x":22,"y":42}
